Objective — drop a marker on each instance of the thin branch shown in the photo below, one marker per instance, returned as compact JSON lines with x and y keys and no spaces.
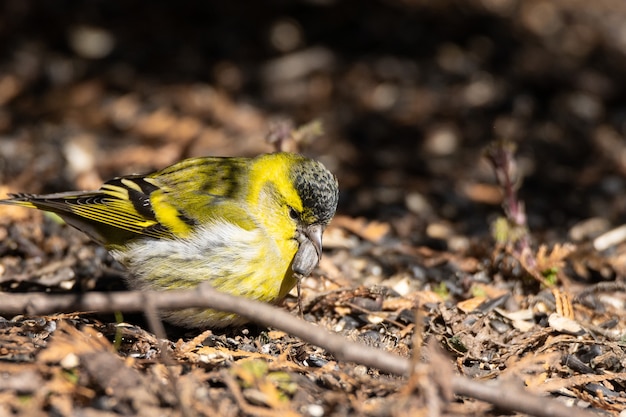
{"x":505,"y":398}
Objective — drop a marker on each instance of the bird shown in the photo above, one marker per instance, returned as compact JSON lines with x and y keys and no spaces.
{"x":249,"y":227}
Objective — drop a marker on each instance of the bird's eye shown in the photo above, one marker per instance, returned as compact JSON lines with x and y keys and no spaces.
{"x":293,"y":214}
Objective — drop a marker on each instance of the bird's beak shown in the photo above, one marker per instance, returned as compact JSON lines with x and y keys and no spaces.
{"x":314,"y":233}
{"x":310,"y":250}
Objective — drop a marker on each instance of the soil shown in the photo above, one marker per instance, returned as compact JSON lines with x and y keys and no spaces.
{"x":479,"y":147}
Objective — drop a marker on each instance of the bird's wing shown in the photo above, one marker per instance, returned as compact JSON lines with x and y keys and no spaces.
{"x":166,"y":204}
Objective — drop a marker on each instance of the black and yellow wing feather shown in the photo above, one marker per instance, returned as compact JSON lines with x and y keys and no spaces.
{"x":165,"y":204}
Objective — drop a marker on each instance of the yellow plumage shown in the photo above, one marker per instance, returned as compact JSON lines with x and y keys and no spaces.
{"x":244,"y":225}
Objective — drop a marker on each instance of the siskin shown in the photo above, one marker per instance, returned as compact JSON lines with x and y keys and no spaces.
{"x":247,"y":226}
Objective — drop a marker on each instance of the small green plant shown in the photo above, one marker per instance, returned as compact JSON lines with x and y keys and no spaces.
{"x":511,"y":231}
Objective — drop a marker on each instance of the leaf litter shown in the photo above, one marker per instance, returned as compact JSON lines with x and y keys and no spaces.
{"x":534,"y":304}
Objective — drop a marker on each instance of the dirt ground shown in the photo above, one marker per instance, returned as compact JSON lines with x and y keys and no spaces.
{"x":479,"y":147}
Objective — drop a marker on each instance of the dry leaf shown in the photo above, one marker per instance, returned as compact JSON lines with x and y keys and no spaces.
{"x":467,"y":306}
{"x":374,"y":231}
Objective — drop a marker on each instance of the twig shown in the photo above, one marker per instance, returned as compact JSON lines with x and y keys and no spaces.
{"x":501,"y":155}
{"x":609,"y":239}
{"x":299,"y":278}
{"x":505,"y":398}
{"x":151,"y":311}
{"x":598,"y":288}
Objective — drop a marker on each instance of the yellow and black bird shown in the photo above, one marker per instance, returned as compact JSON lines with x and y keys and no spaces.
{"x":247,"y":226}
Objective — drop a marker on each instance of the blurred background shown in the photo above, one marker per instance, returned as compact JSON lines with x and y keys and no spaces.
{"x":409,"y":93}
